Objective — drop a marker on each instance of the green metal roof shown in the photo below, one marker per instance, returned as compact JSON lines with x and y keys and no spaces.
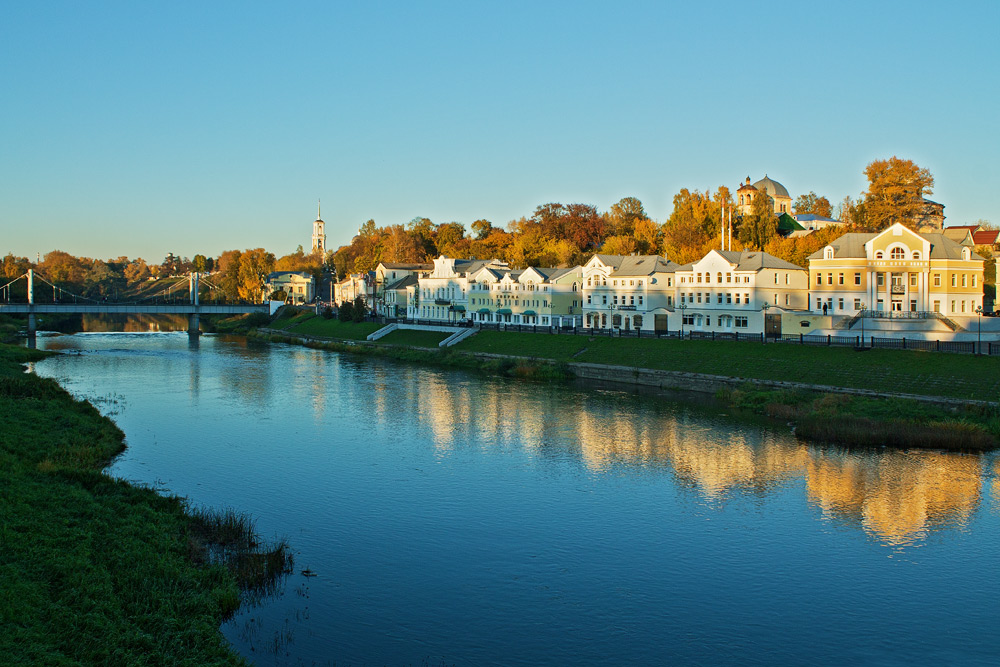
{"x":528,"y":312}
{"x":484,"y":311}
{"x":503,"y":311}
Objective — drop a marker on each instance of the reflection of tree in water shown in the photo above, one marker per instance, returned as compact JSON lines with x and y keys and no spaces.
{"x":134,"y":323}
{"x":897,"y":496}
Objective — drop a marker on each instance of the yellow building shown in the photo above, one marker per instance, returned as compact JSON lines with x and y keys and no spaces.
{"x":896,"y":270}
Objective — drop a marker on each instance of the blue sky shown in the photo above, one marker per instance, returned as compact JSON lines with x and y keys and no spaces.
{"x":194,"y":127}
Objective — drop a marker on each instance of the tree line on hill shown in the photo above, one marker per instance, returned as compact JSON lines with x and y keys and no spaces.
{"x":554,"y":234}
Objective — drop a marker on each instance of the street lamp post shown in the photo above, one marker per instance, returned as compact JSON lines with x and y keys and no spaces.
{"x":764,"y":307}
{"x":862,"y":325}
{"x":979,"y":332}
{"x":682,"y":307}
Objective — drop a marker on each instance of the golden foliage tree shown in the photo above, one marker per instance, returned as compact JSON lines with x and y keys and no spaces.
{"x":896,"y":189}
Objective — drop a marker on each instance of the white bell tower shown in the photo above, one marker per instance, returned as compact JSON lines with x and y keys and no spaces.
{"x":319,"y":232}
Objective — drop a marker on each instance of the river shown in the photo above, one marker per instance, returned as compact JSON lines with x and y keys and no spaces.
{"x":456,"y":519}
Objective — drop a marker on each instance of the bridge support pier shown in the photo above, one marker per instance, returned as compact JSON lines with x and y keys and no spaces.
{"x":32,"y":325}
{"x":193,"y":324}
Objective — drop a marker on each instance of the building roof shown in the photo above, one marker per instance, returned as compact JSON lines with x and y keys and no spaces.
{"x":853,"y":245}
{"x":274,"y":275}
{"x":749,"y":260}
{"x":407,"y":267}
{"x":788,"y":224}
{"x":772,"y":188}
{"x":971,"y":228}
{"x":403,"y":283}
{"x":986,"y":237}
{"x":809,"y":217}
{"x":637,"y":265}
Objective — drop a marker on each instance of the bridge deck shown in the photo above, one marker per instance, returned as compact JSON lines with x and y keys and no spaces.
{"x":134,"y":309}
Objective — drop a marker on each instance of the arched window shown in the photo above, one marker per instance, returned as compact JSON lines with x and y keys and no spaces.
{"x":720,"y":277}
{"x":916,"y":254}
{"x":896,"y":253}
{"x":828,"y":253}
{"x":878,"y":255}
{"x":741,"y":200}
{"x":966,"y":253}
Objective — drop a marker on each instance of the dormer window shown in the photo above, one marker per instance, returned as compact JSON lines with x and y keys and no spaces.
{"x":828,"y":253}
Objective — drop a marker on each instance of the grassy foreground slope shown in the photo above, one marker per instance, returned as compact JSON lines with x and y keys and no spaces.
{"x":906,"y":371}
{"x":93,"y":570}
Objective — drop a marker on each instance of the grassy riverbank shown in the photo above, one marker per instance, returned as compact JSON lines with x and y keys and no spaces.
{"x":842,"y":418}
{"x":95,"y":570}
{"x":872,"y":422}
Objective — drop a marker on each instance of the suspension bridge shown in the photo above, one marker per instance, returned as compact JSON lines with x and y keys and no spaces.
{"x":163,"y":302}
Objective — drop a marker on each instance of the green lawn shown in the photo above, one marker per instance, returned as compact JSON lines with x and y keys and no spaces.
{"x":414,"y":337}
{"x":309,"y":324}
{"x":926,"y":373}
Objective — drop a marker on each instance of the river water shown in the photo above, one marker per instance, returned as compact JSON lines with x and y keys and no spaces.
{"x":453,"y":519}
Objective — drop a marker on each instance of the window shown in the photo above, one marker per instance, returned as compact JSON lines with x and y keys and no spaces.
{"x":916,"y":254}
{"x":913,"y":280}
{"x":720,"y":297}
{"x":786,"y":299}
{"x":878,"y":255}
{"x":604,"y":300}
{"x":829,"y":279}
{"x":819,"y":278}
{"x":631,"y":301}
{"x":857,"y":278}
{"x":741,"y":321}
{"x":828,"y":253}
{"x":688,"y":319}
{"x":699,"y":277}
{"x":954,"y":283}
{"x":775,"y":278}
{"x":840,"y":304}
{"x":973,"y":280}
{"x":896,"y":253}
{"x":880,"y":279}
{"x":737,"y":297}
{"x":857,"y":304}
{"x":719,"y":277}
{"x":937,"y":280}
{"x":964,"y":276}
{"x":746,"y":298}
{"x":937,"y":306}
{"x":640,"y":299}
{"x":699,"y":297}
{"x":729,"y":277}
{"x":616,"y":299}
{"x":840,"y":278}
{"x":786,"y":278}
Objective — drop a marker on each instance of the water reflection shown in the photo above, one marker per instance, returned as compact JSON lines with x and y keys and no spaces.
{"x":896,"y":496}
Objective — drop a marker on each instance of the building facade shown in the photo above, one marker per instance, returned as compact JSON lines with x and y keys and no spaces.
{"x":896,"y":270}
{"x":534,"y":296}
{"x":628,"y":292}
{"x":299,"y":286}
{"x":731,"y":292}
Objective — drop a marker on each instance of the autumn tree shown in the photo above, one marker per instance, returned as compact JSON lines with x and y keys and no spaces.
{"x":813,"y":204}
{"x":14,"y":266}
{"x":760,"y":225}
{"x":620,"y":244}
{"x":255,"y":265}
{"x":896,"y":188}
{"x":623,"y":216}
{"x":695,"y":221}
{"x":136,"y":271}
{"x":481,"y":228}
{"x":399,"y":246}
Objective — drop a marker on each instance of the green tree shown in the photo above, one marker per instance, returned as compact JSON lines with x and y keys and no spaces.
{"x":814,"y":204}
{"x":199,"y":263}
{"x":345,"y":311}
{"x":359,"y":309}
{"x":896,"y":188}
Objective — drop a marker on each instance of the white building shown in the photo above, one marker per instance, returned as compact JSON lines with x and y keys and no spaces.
{"x":299,"y":286}
{"x":729,"y":291}
{"x":628,"y":292}
{"x":443,"y":294}
{"x":534,"y":296}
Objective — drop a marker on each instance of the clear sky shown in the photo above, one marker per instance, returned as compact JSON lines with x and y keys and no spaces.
{"x":141,"y":128}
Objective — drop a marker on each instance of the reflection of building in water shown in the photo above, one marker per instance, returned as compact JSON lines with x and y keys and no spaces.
{"x":897,"y":496}
{"x":138,"y":323}
{"x":721,"y":460}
